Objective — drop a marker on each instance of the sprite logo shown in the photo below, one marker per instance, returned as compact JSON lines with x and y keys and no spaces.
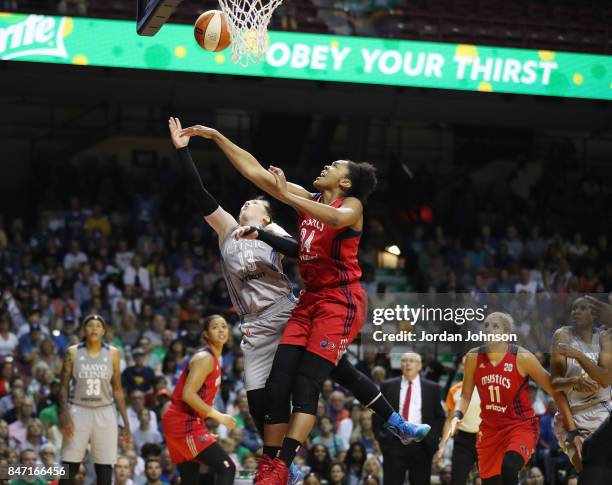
{"x":36,"y":35}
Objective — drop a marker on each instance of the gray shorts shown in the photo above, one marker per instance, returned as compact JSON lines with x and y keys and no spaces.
{"x":95,"y":426}
{"x":260,"y":336}
{"x":587,"y":421}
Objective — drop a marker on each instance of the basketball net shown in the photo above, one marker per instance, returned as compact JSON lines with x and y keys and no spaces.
{"x":248,"y":25}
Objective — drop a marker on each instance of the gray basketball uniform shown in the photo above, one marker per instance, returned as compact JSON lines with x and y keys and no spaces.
{"x":262,"y":294}
{"x":589,"y":409}
{"x":92,"y":408}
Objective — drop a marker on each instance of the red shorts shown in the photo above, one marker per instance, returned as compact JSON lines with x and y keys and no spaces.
{"x":493,"y":443}
{"x":326,"y":321}
{"x":186,"y":435}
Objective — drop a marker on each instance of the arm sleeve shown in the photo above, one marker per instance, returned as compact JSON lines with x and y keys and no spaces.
{"x":283,"y":244}
{"x":205,"y":202}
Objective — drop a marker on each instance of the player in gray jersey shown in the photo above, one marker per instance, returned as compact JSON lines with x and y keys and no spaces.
{"x":90,"y":388}
{"x":590,"y":400}
{"x":262,"y":293}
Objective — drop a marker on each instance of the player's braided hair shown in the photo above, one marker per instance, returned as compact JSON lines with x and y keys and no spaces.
{"x":363,"y":180}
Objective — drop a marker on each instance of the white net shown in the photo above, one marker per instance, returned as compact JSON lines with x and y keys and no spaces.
{"x":248,"y":25}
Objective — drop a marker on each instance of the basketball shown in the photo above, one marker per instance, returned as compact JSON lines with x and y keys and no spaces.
{"x":211,"y":31}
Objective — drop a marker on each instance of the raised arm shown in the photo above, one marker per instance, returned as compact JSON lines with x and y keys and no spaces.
{"x":63,"y":411}
{"x":600,"y":372}
{"x":529,"y":365}
{"x":558,"y":363}
{"x":218,"y":218}
{"x":200,"y":366}
{"x":243,"y":161}
{"x":120,"y":395}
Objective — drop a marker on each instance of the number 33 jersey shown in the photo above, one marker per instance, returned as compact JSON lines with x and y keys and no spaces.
{"x":327,"y":256}
{"x":503,"y":391}
{"x":91,"y":377}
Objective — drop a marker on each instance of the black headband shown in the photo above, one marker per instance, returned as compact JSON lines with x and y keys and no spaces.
{"x":93,"y":316}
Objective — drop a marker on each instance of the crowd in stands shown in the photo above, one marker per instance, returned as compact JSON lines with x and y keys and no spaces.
{"x":109,"y":248}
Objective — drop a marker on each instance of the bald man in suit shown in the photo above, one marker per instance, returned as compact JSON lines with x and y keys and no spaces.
{"x":418,"y":401}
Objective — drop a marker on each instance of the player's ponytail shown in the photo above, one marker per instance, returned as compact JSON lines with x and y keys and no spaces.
{"x":363,"y":180}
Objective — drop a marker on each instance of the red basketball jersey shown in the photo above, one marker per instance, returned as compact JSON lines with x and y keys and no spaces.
{"x":504,"y":393}
{"x":327,"y":256}
{"x":207,"y":392}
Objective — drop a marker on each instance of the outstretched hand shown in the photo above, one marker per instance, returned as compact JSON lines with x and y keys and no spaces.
{"x":199,"y":130}
{"x":180,"y":141}
{"x":280,"y":181}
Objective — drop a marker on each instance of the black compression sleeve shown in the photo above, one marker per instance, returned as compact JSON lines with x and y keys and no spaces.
{"x":205,"y":202}
{"x":283,"y":244}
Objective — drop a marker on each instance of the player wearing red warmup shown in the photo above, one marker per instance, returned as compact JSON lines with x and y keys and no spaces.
{"x":189,"y":442}
{"x":509,"y":429}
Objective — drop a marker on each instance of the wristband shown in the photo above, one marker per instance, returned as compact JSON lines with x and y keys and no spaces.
{"x":251,"y":230}
{"x":458,"y":414}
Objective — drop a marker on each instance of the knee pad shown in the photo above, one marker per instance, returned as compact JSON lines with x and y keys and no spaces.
{"x":278,"y":397}
{"x":257,"y":407}
{"x":307,"y":387}
{"x":306,"y":394}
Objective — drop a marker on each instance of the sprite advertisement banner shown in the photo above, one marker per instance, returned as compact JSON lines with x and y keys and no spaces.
{"x":114,"y":43}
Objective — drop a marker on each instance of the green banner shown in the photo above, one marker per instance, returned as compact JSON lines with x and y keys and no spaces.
{"x":114,"y":43}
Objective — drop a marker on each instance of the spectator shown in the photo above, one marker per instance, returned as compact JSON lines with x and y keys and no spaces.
{"x":337,"y":411}
{"x":137,"y":403}
{"x":98,"y":224}
{"x":145,"y":433}
{"x":48,"y":455}
{"x":74,"y":257}
{"x":319,"y":461}
{"x":138,"y":376}
{"x":8,"y":340}
{"x":7,"y":373}
{"x":372,"y":468}
{"x":364,"y":432}
{"x":25,"y":414}
{"x":335,"y":445}
{"x":169,"y":470}
{"x":28,"y":458}
{"x":379,"y":374}
{"x":337,"y":473}
{"x":11,"y":402}
{"x":34,"y":439}
{"x":123,"y":472}
{"x":418,"y":400}
{"x":137,"y":276}
{"x":186,"y":273}
{"x":313,"y":479}
{"x":249,"y":464}
{"x":354,"y":460}
{"x":153,"y":472}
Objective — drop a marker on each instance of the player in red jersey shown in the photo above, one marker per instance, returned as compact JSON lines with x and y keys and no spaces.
{"x":189,"y":442}
{"x":509,"y":429}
